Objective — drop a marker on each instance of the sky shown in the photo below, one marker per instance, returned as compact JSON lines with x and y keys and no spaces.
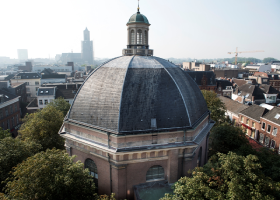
{"x":197,"y":29}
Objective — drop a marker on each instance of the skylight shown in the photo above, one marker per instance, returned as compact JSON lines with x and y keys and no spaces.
{"x":41,"y":91}
{"x":277,"y":116}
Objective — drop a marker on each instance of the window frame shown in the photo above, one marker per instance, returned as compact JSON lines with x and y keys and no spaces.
{"x":155,"y":173}
{"x":274,"y":128}
{"x":272,"y":141}
{"x":268,"y":126}
{"x":93,"y":171}
{"x":247,"y":121}
{"x":262,"y":126}
{"x":261,"y":136}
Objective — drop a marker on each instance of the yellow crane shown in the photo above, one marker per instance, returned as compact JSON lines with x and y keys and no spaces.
{"x":237,"y":52}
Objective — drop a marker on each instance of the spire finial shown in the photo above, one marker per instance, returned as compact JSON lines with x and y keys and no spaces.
{"x":138,"y":7}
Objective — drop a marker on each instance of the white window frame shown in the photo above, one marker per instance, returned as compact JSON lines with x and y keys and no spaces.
{"x":247,"y":120}
{"x":268,"y":125}
{"x":265,"y":141}
{"x":274,"y":132}
{"x":40,"y":102}
{"x":253,"y":124}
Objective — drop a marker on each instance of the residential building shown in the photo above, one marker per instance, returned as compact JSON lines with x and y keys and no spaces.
{"x":233,"y":108}
{"x":9,"y":112}
{"x":53,"y":78}
{"x":45,"y":95}
{"x":249,"y":119}
{"x":204,"y":80}
{"x":32,"y":80}
{"x":255,"y":94}
{"x":196,"y":66}
{"x":269,"y":131}
{"x":224,"y":88}
{"x":231,"y":73}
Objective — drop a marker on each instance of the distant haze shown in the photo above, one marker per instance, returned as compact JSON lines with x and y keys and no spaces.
{"x":179,"y":29}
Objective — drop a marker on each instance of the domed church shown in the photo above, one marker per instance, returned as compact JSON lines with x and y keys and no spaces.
{"x":137,"y":119}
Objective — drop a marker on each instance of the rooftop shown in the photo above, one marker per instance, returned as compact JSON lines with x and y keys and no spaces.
{"x":6,"y":96}
{"x":28,"y":75}
{"x":255,"y":112}
{"x":233,"y":106}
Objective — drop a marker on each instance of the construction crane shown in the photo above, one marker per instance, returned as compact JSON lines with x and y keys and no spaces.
{"x":237,"y":52}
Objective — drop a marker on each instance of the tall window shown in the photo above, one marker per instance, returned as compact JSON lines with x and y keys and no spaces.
{"x":199,"y":157}
{"x":266,"y":142}
{"x":247,"y":121}
{"x":139,"y":37}
{"x":6,"y":111}
{"x":155,"y":173}
{"x":268,"y":128}
{"x":253,"y":124}
{"x":274,"y":133}
{"x":261,"y":138}
{"x":263,"y":125}
{"x":145,"y":37}
{"x":46,"y":101}
{"x":242,"y":118}
{"x":132,"y":37}
{"x":89,"y":164}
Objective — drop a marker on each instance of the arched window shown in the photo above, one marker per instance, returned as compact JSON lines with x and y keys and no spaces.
{"x":155,"y":173}
{"x":139,"y":36}
{"x":92,"y":170}
{"x":145,"y":38}
{"x":132,"y":37}
{"x":199,"y":157}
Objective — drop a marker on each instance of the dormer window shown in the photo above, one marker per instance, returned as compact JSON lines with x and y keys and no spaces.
{"x":41,"y":91}
{"x":47,"y":92}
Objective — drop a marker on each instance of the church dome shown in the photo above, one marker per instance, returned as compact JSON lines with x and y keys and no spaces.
{"x":132,"y":94}
{"x":138,"y":18}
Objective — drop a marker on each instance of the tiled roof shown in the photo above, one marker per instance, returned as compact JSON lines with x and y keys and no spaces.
{"x":198,"y":75}
{"x":66,"y":93}
{"x":239,"y":82}
{"x":43,"y":91}
{"x":53,"y":76}
{"x":33,"y":103}
{"x":223,"y":84}
{"x":273,"y":115}
{"x":31,"y":75}
{"x":6,"y":96}
{"x":233,"y":106}
{"x":254,"y":112}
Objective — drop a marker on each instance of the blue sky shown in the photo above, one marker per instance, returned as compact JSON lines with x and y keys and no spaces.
{"x":179,"y":28}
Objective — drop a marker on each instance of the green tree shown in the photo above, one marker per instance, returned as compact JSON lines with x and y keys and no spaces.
{"x":216,"y":107}
{"x":230,"y":177}
{"x":12,"y":152}
{"x":4,"y":133}
{"x":227,"y":138}
{"x":269,"y":59}
{"x":60,"y":104}
{"x":42,"y":127}
{"x":50,"y":175}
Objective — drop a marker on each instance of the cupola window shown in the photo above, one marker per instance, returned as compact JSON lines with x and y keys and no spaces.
{"x":145,"y":38}
{"x":132,"y":37}
{"x":139,"y":37}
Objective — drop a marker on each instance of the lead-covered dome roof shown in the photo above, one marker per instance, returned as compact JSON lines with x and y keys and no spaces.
{"x":138,"y":18}
{"x":137,"y":94}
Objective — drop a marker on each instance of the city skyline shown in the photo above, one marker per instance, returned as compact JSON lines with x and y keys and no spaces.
{"x":196,"y":29}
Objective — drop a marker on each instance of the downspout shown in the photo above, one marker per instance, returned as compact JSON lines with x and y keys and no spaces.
{"x":110,"y":173}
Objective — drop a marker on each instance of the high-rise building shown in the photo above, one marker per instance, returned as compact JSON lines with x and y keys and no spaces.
{"x":22,"y":54}
{"x":87,"y":48}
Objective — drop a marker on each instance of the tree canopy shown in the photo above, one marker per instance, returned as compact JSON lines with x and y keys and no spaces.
{"x":4,"y":133}
{"x":60,"y":104}
{"x":269,"y":59}
{"x":50,"y":175}
{"x":227,"y":138}
{"x":230,"y":176}
{"x":42,"y":127}
{"x":216,"y":107}
{"x":12,"y":152}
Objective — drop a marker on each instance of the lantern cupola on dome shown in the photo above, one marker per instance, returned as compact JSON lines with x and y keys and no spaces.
{"x":138,"y":35}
